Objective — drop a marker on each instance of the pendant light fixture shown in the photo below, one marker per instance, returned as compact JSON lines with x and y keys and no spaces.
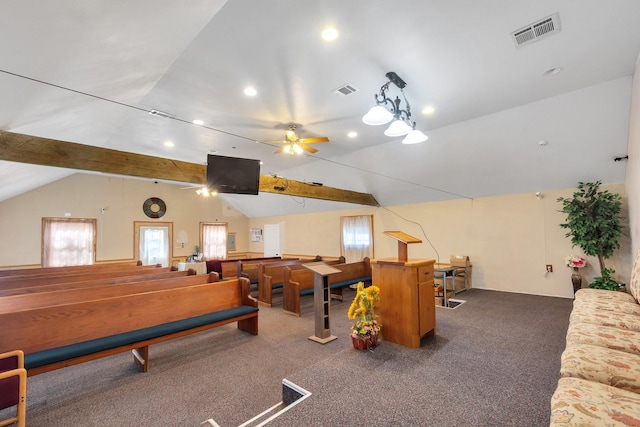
{"x":386,"y":111}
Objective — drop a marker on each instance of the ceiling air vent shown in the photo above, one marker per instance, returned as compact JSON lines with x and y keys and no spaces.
{"x":536,"y":31}
{"x":345,"y":90}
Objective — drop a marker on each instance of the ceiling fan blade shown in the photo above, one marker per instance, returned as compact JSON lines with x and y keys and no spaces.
{"x":307,"y":148}
{"x":313,"y":140}
{"x":274,"y":141}
{"x":280,"y":150}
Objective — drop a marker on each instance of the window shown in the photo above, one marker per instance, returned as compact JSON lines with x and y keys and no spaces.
{"x":152,"y":243}
{"x":357,"y":237}
{"x":68,"y":241}
{"x":213,"y":236}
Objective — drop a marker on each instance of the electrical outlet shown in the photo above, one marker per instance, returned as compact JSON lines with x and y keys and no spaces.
{"x":549,"y":268}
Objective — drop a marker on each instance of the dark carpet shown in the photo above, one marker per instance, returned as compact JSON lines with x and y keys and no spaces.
{"x":494,"y":362}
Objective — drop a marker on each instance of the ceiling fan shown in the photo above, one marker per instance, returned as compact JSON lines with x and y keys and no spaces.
{"x":293,"y":144}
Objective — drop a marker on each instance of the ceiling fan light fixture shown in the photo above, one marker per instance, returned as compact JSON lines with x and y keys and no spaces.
{"x":415,"y":137}
{"x":297,"y":149}
{"x":397,"y":128}
{"x":377,"y":115}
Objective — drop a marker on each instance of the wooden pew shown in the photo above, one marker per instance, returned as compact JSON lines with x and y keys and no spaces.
{"x":16,"y":272}
{"x":38,"y":280}
{"x":271,"y":276}
{"x":300,"y":282}
{"x":66,"y":296}
{"x":230,"y":270}
{"x":89,"y":330}
{"x":44,"y":287}
{"x":249,"y":269}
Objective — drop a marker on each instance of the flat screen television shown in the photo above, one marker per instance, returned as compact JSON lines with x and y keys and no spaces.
{"x":233,"y":174}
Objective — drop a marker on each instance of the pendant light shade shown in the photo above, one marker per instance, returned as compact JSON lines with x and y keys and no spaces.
{"x":387,"y":109}
{"x":397,"y":128}
{"x":377,"y":115}
{"x":414,"y":137}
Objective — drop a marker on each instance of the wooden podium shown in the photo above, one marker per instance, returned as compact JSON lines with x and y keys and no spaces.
{"x":321,"y":300}
{"x":407,"y":306}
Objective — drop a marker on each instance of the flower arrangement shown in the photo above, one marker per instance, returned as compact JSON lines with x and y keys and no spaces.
{"x":362,"y":310}
{"x":575,"y":261}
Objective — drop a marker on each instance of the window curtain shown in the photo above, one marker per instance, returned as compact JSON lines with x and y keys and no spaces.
{"x":154,"y":246}
{"x":357,"y":238}
{"x":68,"y":242}
{"x":214,"y":241}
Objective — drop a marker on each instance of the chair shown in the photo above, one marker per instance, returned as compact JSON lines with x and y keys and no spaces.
{"x":13,"y":386}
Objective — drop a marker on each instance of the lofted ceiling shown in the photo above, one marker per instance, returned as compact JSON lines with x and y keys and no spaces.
{"x":90,"y":72}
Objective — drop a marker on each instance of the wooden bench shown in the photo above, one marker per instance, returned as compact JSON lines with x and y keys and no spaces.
{"x":15,"y":272}
{"x":230,"y":269}
{"x":66,"y":296}
{"x":96,"y":282}
{"x":89,"y":330}
{"x":300,"y":282}
{"x":246,"y":268}
{"x":46,"y":280}
{"x":271,"y":276}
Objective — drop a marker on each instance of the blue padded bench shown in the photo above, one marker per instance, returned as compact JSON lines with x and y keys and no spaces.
{"x":94,"y":328}
{"x":299,"y":283}
{"x":134,"y":339}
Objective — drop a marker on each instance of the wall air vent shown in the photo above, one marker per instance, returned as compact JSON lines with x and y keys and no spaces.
{"x":345,"y":90}
{"x":536,"y":31}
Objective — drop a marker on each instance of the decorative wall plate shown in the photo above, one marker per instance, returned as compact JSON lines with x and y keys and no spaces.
{"x":154,"y":207}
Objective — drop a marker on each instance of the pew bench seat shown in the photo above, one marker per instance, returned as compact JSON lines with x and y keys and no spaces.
{"x":138,"y":341}
{"x":299,"y":283}
{"x":95,"y":328}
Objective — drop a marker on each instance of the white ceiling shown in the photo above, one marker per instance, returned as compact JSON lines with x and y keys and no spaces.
{"x":89,"y":72}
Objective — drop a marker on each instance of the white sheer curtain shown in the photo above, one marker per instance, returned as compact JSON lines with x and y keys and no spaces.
{"x":154,"y":246}
{"x":214,"y":240}
{"x":357,"y":237}
{"x":67,"y":241}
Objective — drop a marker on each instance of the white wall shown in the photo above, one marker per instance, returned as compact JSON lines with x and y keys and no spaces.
{"x":509,"y":239}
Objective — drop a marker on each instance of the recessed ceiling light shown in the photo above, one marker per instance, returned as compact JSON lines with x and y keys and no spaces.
{"x":429,"y":109}
{"x":169,"y":144}
{"x":197,"y":122}
{"x":250,"y":91}
{"x":329,"y":34}
{"x":542,"y":143}
{"x":552,"y":71}
{"x":352,"y":134}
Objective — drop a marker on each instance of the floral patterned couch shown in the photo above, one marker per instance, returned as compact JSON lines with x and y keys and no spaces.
{"x":600,"y":367}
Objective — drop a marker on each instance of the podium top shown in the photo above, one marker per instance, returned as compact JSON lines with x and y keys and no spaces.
{"x":402,"y":236}
{"x":321,"y":268}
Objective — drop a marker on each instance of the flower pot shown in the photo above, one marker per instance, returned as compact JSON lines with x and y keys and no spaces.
{"x":364,"y":342}
{"x":576,"y":280}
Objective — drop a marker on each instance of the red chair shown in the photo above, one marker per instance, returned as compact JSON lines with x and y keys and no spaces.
{"x":13,"y":386}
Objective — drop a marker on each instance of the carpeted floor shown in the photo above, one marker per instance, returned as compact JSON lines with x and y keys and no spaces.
{"x":494,"y":362}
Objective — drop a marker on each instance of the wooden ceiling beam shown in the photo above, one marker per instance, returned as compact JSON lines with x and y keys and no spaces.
{"x":270,"y":184}
{"x":20,"y":148}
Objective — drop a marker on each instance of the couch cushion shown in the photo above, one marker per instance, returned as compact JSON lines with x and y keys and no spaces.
{"x":45,"y":357}
{"x":604,"y":365}
{"x":605,"y":318}
{"x":609,"y":305}
{"x":634,"y":281}
{"x":578,"y":402}
{"x":604,"y":336}
{"x":603,"y":295}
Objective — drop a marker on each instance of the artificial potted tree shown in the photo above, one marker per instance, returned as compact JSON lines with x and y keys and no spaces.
{"x":593,"y":221}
